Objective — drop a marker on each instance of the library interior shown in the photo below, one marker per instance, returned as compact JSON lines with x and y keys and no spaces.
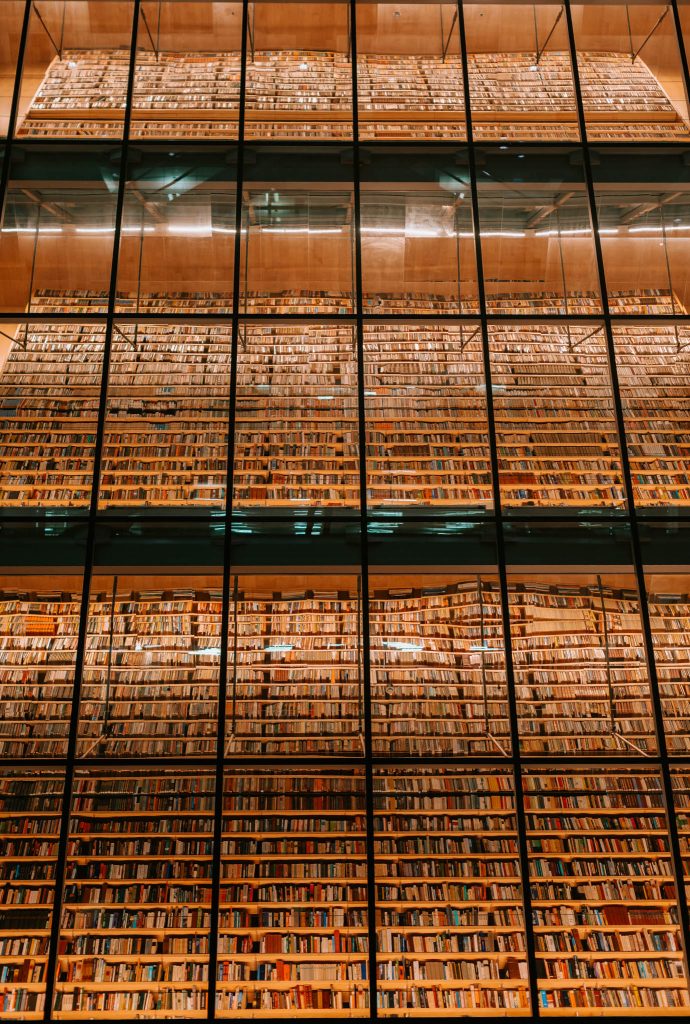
{"x":344,"y":510}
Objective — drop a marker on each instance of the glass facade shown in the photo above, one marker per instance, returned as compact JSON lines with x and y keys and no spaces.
{"x":344,"y":510}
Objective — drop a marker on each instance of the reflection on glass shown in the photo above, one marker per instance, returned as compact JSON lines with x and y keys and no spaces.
{"x":299,"y":835}
{"x":409,"y":72}
{"x":521,"y":83}
{"x":579,"y":662}
{"x":299,"y":76}
{"x":39,"y":624}
{"x":56,"y":244}
{"x":150,"y":684}
{"x":451,"y":926}
{"x":30,"y":808}
{"x":50,"y":383}
{"x":296,"y":426}
{"x":187,"y":77}
{"x":120,"y":882}
{"x":178,"y":235}
{"x":11,"y":16}
{"x":630,"y":72}
{"x":668,"y":598}
{"x":602,"y":880}
{"x":654,"y":377}
{"x":555,"y":418}
{"x":167,"y":414}
{"x":437,"y":665}
{"x":295,"y":675}
{"x":76,"y":63}
{"x":427,"y":434}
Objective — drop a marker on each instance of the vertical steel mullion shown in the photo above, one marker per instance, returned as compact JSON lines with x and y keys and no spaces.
{"x":14,"y":107}
{"x":51,"y":965}
{"x":364,"y":547}
{"x":500,"y":547}
{"x":227,"y":544}
{"x":638,"y":565}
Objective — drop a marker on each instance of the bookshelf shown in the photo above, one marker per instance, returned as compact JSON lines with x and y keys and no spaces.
{"x":39,"y":623}
{"x":668,"y":599}
{"x":30,"y":806}
{"x":438,"y":678}
{"x":152,"y":656}
{"x":580,"y":668}
{"x":308,"y":94}
{"x":137,"y":897}
{"x":293,"y":901}
{"x":604,"y":898}
{"x":450,"y":924}
{"x":295,"y":675}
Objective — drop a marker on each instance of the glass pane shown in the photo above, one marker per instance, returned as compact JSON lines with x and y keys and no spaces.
{"x":579,"y":660}
{"x":555,"y":418}
{"x":295,"y":675}
{"x":409,"y":72}
{"x":150,"y":684}
{"x":299,"y":75}
{"x":521,"y":83}
{"x":30,"y":811}
{"x":654,"y":376}
{"x":427,"y":432}
{"x":167,"y":415}
{"x":178,"y":232}
{"x":296,"y":429}
{"x":11,"y":16}
{"x":417,"y":242}
{"x":537,"y":242}
{"x":297,"y":255}
{"x":602,"y":884}
{"x":643,"y":204}
{"x":438,"y":665}
{"x":136,"y":946}
{"x":450,"y":924}
{"x":56,"y":244}
{"x":630,"y":72}
{"x":668,"y":598}
{"x":39,"y":623}
{"x":50,"y":385}
{"x":74,"y":77}
{"x":293,"y":920}
{"x":187,"y":77}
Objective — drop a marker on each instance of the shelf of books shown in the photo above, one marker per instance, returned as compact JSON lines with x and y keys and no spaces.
{"x":136,"y":909}
{"x":293,"y":902}
{"x":39,"y":625}
{"x":308,"y":94}
{"x":668,"y":600}
{"x":427,"y":432}
{"x":450,"y":917}
{"x":295,"y":673}
{"x":556,"y":426}
{"x":580,"y":667}
{"x":30,"y":806}
{"x":680,"y":781}
{"x":604,"y":898}
{"x":152,"y":657}
{"x":438,"y":677}
{"x":654,"y":376}
{"x":296,"y":428}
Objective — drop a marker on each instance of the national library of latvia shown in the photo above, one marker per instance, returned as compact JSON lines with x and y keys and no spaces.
{"x":344,"y":510}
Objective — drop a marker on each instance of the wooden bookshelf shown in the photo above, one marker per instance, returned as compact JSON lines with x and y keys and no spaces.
{"x":604,"y":898}
{"x":680,"y":780}
{"x":293,"y":901}
{"x":30,"y":807}
{"x":150,"y":685}
{"x":669,"y":612}
{"x":137,"y":898}
{"x":295,"y":683}
{"x":438,"y":680}
{"x":580,"y":669}
{"x":308,"y":94}
{"x":39,"y":623}
{"x":450,"y":924}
